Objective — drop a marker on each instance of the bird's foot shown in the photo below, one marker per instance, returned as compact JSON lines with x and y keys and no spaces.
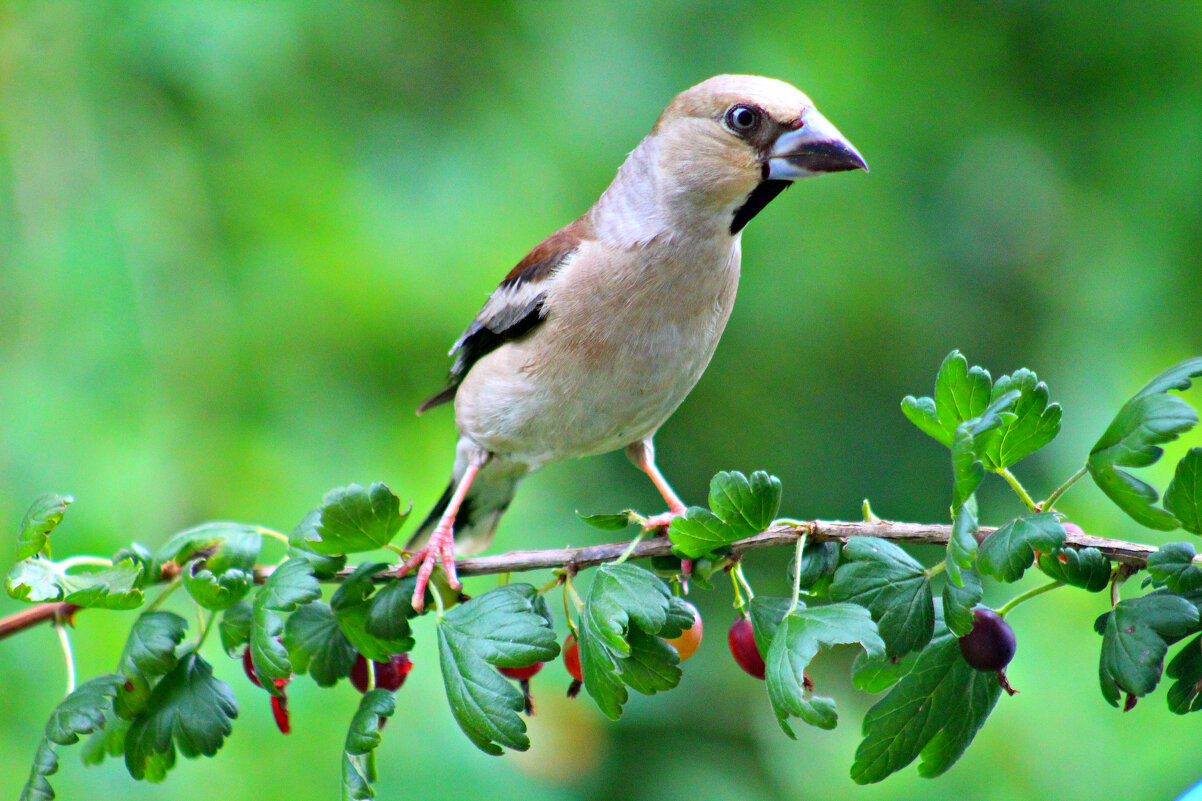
{"x":441,"y":544}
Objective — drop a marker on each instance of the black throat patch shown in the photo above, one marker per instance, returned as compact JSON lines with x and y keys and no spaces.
{"x":761,"y":196}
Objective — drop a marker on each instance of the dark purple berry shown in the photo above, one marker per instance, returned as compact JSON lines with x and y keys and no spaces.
{"x":990,"y":645}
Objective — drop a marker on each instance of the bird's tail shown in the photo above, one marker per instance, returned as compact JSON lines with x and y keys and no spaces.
{"x":487,"y":499}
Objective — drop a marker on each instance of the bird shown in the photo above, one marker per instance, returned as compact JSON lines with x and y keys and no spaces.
{"x":595,"y":338}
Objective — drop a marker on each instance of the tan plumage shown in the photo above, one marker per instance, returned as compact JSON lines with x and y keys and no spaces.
{"x":597,"y":336}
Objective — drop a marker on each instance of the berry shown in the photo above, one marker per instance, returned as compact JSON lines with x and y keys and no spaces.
{"x":990,"y":645}
{"x":279,"y":710}
{"x":249,"y":666}
{"x":521,"y":673}
{"x":571,"y":660}
{"x":389,"y":675}
{"x":686,"y":644}
{"x":743,"y":648}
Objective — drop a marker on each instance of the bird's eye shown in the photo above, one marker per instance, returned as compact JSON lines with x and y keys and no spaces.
{"x":742,"y":119}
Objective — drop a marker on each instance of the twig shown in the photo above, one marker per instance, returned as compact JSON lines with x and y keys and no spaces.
{"x":1132,"y":554}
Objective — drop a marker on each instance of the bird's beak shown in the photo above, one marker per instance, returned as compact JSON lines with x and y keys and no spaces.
{"x":814,"y":148}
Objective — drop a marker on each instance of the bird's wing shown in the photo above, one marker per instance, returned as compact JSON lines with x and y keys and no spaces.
{"x":514,"y":309}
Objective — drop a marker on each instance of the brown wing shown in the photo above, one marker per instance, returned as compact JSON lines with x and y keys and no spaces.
{"x":514,"y":309}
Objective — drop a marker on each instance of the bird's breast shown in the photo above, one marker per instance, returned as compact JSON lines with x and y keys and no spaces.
{"x":627,"y":335}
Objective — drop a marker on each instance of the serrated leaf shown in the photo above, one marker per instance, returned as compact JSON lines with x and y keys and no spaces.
{"x":796,"y":642}
{"x":223,"y":573}
{"x":317,"y":646}
{"x":324,"y":566}
{"x":43,"y":516}
{"x":189,"y":709}
{"x":623,"y":598}
{"x":748,"y":504}
{"x":699,"y":531}
{"x":1145,"y":422}
{"x":199,"y":541}
{"x":1183,"y":498}
{"x":896,"y":589}
{"x":1136,"y":634}
{"x":353,"y":519}
{"x":934,"y":712}
{"x":289,"y":586}
{"x":150,"y":647}
{"x":1008,"y":552}
{"x":391,"y":608}
{"x":38,"y":579}
{"x":962,"y":544}
{"x":1185,"y":694}
{"x":109,"y":741}
{"x":958,"y":602}
{"x":1035,"y":422}
{"x":351,"y":605}
{"x":363,"y":737}
{"x":969,"y":441}
{"x":818,"y":561}
{"x":501,"y":628}
{"x":766,"y":613}
{"x":234,"y":628}
{"x":1174,"y":565}
{"x":921,"y":412}
{"x":607,"y":522}
{"x":879,"y":673}
{"x":961,"y":393}
{"x":1087,"y":568}
{"x":84,"y":711}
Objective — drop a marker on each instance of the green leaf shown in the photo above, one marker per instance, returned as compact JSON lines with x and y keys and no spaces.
{"x":290,"y":585}
{"x":921,"y":412}
{"x":1185,"y":694}
{"x":1145,"y":422}
{"x":150,"y":647}
{"x":699,"y":531}
{"x":934,"y":712}
{"x":1184,"y":496}
{"x":1136,"y":634}
{"x":962,"y":544}
{"x":219,"y":576}
{"x":107,"y":742}
{"x":299,"y":544}
{"x":82,"y":712}
{"x":609,"y":522}
{"x":235,"y":627}
{"x":362,"y":738}
{"x":624,"y":602}
{"x":1035,"y":422}
{"x":961,"y":393}
{"x":355,"y":519}
{"x":200,"y":541}
{"x":1008,"y":552}
{"x":351,"y":604}
{"x":391,"y":608}
{"x":38,"y":579}
{"x":43,"y":517}
{"x":818,"y":561}
{"x":748,"y":504}
{"x":189,"y":710}
{"x":958,"y":602}
{"x":505,"y":627}
{"x":897,"y":591}
{"x":878,"y":673}
{"x":317,"y":646}
{"x":1174,"y":565}
{"x":798,"y":638}
{"x":766,"y":613}
{"x":968,"y":443}
{"x":1087,"y":568}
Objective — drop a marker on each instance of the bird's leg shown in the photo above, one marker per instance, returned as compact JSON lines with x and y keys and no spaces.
{"x":442,"y":541}
{"x":642,"y":453}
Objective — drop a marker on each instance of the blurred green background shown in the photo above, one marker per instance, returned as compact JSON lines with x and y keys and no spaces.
{"x":236,"y":240}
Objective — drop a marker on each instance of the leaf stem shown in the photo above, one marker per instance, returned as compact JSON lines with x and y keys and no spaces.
{"x":1047,"y":505}
{"x":275,"y":535}
{"x":1028,"y":595}
{"x":64,"y":641}
{"x":75,"y":561}
{"x":801,"y":545}
{"x":438,"y":602}
{"x":630,"y":548}
{"x":1018,"y":488}
{"x":204,"y":633}
{"x":396,"y":549}
{"x":936,"y":569}
{"x":164,"y":595}
{"x":737,"y":570}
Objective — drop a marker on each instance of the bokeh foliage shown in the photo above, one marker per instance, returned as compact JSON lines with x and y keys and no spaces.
{"x":237,"y":239}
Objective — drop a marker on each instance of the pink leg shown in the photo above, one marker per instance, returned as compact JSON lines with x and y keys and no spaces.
{"x":643,"y":455}
{"x":441,"y":543}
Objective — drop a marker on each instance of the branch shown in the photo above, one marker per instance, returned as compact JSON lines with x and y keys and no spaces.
{"x":1133,"y":554}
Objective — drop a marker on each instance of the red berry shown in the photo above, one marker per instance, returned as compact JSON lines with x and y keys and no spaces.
{"x":990,"y":645}
{"x":686,"y":644}
{"x":279,"y":710}
{"x":743,"y":648}
{"x":1072,"y":529}
{"x":389,"y":675}
{"x":249,"y":666}
{"x":521,"y":673}
{"x":571,"y":660}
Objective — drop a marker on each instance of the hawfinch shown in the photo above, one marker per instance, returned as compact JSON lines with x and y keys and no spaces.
{"x":592,"y":341}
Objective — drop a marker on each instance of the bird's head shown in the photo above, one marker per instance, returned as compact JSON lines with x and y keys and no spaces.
{"x":730,"y":144}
